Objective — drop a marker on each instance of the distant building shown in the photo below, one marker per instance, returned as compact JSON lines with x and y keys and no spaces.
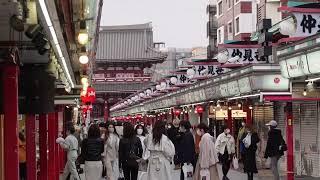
{"x":236,"y":19}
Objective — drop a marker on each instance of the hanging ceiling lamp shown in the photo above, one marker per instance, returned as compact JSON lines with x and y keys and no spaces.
{"x":83,"y":34}
{"x":83,"y":59}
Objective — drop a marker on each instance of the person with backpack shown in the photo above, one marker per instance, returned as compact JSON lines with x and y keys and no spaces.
{"x":275,"y":147}
{"x":130,"y":150}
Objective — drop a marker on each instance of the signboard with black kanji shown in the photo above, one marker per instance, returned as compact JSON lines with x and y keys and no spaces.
{"x":243,"y":56}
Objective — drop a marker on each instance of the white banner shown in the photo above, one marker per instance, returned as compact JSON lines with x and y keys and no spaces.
{"x":308,"y":24}
{"x":245,"y":56}
{"x":208,"y":70}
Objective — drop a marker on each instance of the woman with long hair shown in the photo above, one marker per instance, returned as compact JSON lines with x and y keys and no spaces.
{"x":111,"y":151}
{"x":130,"y":150}
{"x":250,"y":139}
{"x":91,"y":150}
{"x":161,"y":153}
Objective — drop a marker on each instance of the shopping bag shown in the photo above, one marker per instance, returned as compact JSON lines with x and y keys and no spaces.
{"x":205,"y":174}
{"x":235,"y":162}
{"x":187,"y":171}
{"x":121,"y":175}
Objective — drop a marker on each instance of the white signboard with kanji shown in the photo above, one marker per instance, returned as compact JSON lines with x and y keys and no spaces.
{"x":308,"y":24}
{"x":208,"y":71}
{"x":245,"y":56}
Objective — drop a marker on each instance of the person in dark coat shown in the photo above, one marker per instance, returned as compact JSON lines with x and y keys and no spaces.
{"x":273,"y":149}
{"x":186,"y":153}
{"x":250,"y":139}
{"x":174,"y":136}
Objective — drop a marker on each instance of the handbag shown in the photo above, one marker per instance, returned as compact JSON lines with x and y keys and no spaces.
{"x":121,"y":176}
{"x":132,"y":157}
{"x":187,"y":171}
{"x":205,"y":174}
{"x":235,"y":162}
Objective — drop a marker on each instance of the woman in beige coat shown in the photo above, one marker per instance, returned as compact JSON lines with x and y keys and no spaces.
{"x":207,"y":156}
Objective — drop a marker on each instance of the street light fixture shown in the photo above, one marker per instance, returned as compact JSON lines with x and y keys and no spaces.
{"x":83,"y":59}
{"x":83,"y":34}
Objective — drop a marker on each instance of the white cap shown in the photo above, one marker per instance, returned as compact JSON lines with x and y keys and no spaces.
{"x":272,"y":123}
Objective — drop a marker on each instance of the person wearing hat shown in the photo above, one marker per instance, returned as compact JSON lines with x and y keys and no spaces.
{"x":273,"y":149}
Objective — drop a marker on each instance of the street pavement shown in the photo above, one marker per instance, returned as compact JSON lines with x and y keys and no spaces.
{"x":232,"y":175}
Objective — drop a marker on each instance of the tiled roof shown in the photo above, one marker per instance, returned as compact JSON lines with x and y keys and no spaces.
{"x":129,"y":43}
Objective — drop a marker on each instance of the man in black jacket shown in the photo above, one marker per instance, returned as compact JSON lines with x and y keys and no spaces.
{"x":273,"y":149}
{"x":186,"y":152}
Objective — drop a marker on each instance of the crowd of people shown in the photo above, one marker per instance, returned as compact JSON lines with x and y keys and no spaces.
{"x":156,"y":151}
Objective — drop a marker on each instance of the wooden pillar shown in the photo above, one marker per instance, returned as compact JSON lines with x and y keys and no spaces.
{"x":43,"y":145}
{"x":57,"y":155}
{"x":31,"y":146}
{"x":51,"y":146}
{"x":10,"y":91}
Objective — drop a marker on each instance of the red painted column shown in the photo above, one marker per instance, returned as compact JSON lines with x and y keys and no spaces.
{"x":31,"y":146}
{"x":51,"y":146}
{"x":246,"y":108}
{"x":10,"y":90}
{"x":289,"y":133}
{"x":43,"y":147}
{"x":229,"y":121}
{"x":57,"y":155}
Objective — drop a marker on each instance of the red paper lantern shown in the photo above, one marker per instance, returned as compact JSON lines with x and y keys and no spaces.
{"x":83,"y":96}
{"x":199,"y":109}
{"x":177,"y":112}
{"x":91,"y":94}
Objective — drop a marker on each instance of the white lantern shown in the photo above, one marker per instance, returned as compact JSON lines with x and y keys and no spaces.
{"x":132,"y":99}
{"x":84,"y":59}
{"x":234,"y":59}
{"x":287,"y":27}
{"x":173,"y":80}
{"x":163,"y":85}
{"x":191,"y":72}
{"x":126,"y":103}
{"x":148,"y":91}
{"x":223,"y":57}
{"x":142,"y":95}
{"x":136,"y":97}
{"x":158,"y":87}
{"x":129,"y":101}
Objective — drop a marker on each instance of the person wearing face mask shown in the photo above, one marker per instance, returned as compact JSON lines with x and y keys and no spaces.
{"x":186,"y":153}
{"x":111,"y":149}
{"x":208,"y":158}
{"x":240,"y":145}
{"x":225,"y":146}
{"x":174,"y":136}
{"x":250,"y":139}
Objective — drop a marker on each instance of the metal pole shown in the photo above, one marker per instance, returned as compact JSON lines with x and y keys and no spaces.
{"x":10,"y":90}
{"x":43,"y":147}
{"x":31,"y":146}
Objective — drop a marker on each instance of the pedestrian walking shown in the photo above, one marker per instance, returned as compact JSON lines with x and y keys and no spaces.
{"x":173,"y":135}
{"x":70,"y":144}
{"x":206,"y":165}
{"x":275,"y":147}
{"x":225,"y":146}
{"x":187,"y":152}
{"x":111,"y":152}
{"x":91,"y":152}
{"x":250,"y":139}
{"x":130,"y":150}
{"x":161,"y":153}
{"x":141,"y":132}
{"x":240,"y":145}
{"x":22,"y":157}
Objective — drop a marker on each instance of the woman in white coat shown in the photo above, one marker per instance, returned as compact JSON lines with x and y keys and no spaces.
{"x":111,"y":150}
{"x":161,"y":153}
{"x":208,"y":158}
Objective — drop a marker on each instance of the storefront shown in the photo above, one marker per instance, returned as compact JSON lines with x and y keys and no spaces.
{"x":300,"y":63}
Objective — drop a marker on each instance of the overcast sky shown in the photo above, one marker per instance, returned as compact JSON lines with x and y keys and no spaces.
{"x":178,"y":23}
